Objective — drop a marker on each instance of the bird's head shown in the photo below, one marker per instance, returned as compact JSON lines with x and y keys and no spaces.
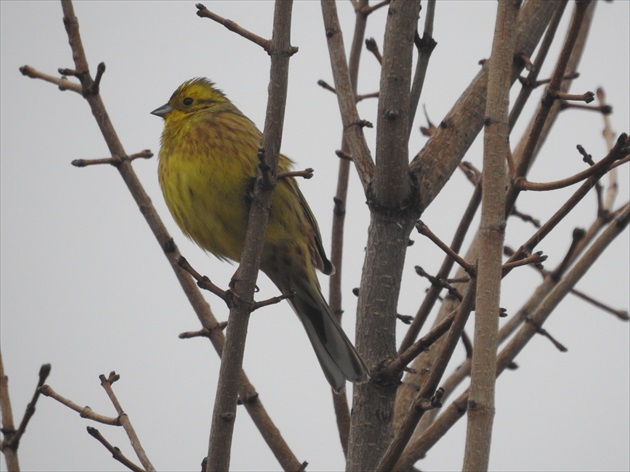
{"x":193,"y":96}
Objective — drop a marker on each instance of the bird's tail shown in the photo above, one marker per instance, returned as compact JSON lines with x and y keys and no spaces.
{"x":335,"y":353}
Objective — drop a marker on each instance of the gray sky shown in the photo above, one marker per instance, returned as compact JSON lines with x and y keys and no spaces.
{"x":86,"y":288}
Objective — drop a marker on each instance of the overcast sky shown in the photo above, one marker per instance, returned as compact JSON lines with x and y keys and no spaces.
{"x":86,"y":288}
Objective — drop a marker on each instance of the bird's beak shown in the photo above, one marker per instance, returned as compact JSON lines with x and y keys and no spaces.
{"x":162,"y":111}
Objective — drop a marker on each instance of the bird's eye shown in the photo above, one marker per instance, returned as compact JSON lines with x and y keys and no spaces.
{"x":188,"y":101}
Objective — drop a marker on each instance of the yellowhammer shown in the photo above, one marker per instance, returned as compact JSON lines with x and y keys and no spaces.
{"x":207,"y":165}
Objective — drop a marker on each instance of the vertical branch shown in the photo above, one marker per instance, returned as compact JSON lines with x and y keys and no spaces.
{"x":492,"y":232}
{"x":452,"y":139}
{"x":390,"y":196}
{"x":340,"y":400}
{"x":9,"y":449}
{"x":391,"y":184}
{"x":425,"y":45}
{"x":244,"y":280}
{"x":352,"y":125}
{"x":613,"y":186}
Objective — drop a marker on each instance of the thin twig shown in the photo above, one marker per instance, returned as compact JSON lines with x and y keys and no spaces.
{"x":345,"y":95}
{"x":115,"y":160}
{"x":11,"y":439}
{"x":425,"y":47}
{"x":525,"y":217}
{"x":203,"y":12}
{"x":533,"y":259}
{"x":115,"y":451}
{"x":340,"y":400}
{"x":204,"y":282}
{"x":586,"y":97}
{"x":106,"y":383}
{"x":370,"y":45}
{"x":425,"y":231}
{"x":602,"y":166}
{"x":440,"y":282}
{"x":62,"y":82}
{"x":326,"y":86}
{"x":621,"y":314}
{"x":84,"y":411}
{"x":421,"y":345}
{"x":367,"y":9}
{"x":579,"y":194}
{"x":445,"y":268}
{"x":305,"y":174}
{"x":273,"y":300}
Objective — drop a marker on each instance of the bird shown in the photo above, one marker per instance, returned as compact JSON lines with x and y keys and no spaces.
{"x":206,"y":167}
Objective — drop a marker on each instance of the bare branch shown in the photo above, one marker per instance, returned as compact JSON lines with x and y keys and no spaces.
{"x":439,"y":158}
{"x":204,"y":282}
{"x":425,"y":46}
{"x":345,"y":95}
{"x":203,"y":12}
{"x":492,"y":234}
{"x":244,"y":280}
{"x":305,"y":174}
{"x":11,"y":440}
{"x":370,"y":45}
{"x":506,"y":357}
{"x":425,"y":231}
{"x":84,"y":411}
{"x":106,"y":383}
{"x":62,"y":82}
{"x":390,"y":459}
{"x":445,"y":268}
{"x":115,"y":160}
{"x":116,"y":452}
{"x":533,"y":259}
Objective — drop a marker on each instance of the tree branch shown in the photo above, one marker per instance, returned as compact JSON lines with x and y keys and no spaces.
{"x":545,"y":306}
{"x":391,"y":458}
{"x":340,"y":400}
{"x":244,"y":280}
{"x":492,"y":232}
{"x":439,"y":158}
{"x":352,"y":129}
{"x":106,"y":383}
{"x":392,"y":197}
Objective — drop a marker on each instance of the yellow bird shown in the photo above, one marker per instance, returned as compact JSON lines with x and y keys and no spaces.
{"x":207,"y":166}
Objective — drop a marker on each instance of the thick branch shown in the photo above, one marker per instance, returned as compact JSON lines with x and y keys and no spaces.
{"x":439,"y":158}
{"x":244,"y":280}
{"x":393,"y":213}
{"x":492,"y":232}
{"x":352,"y":128}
